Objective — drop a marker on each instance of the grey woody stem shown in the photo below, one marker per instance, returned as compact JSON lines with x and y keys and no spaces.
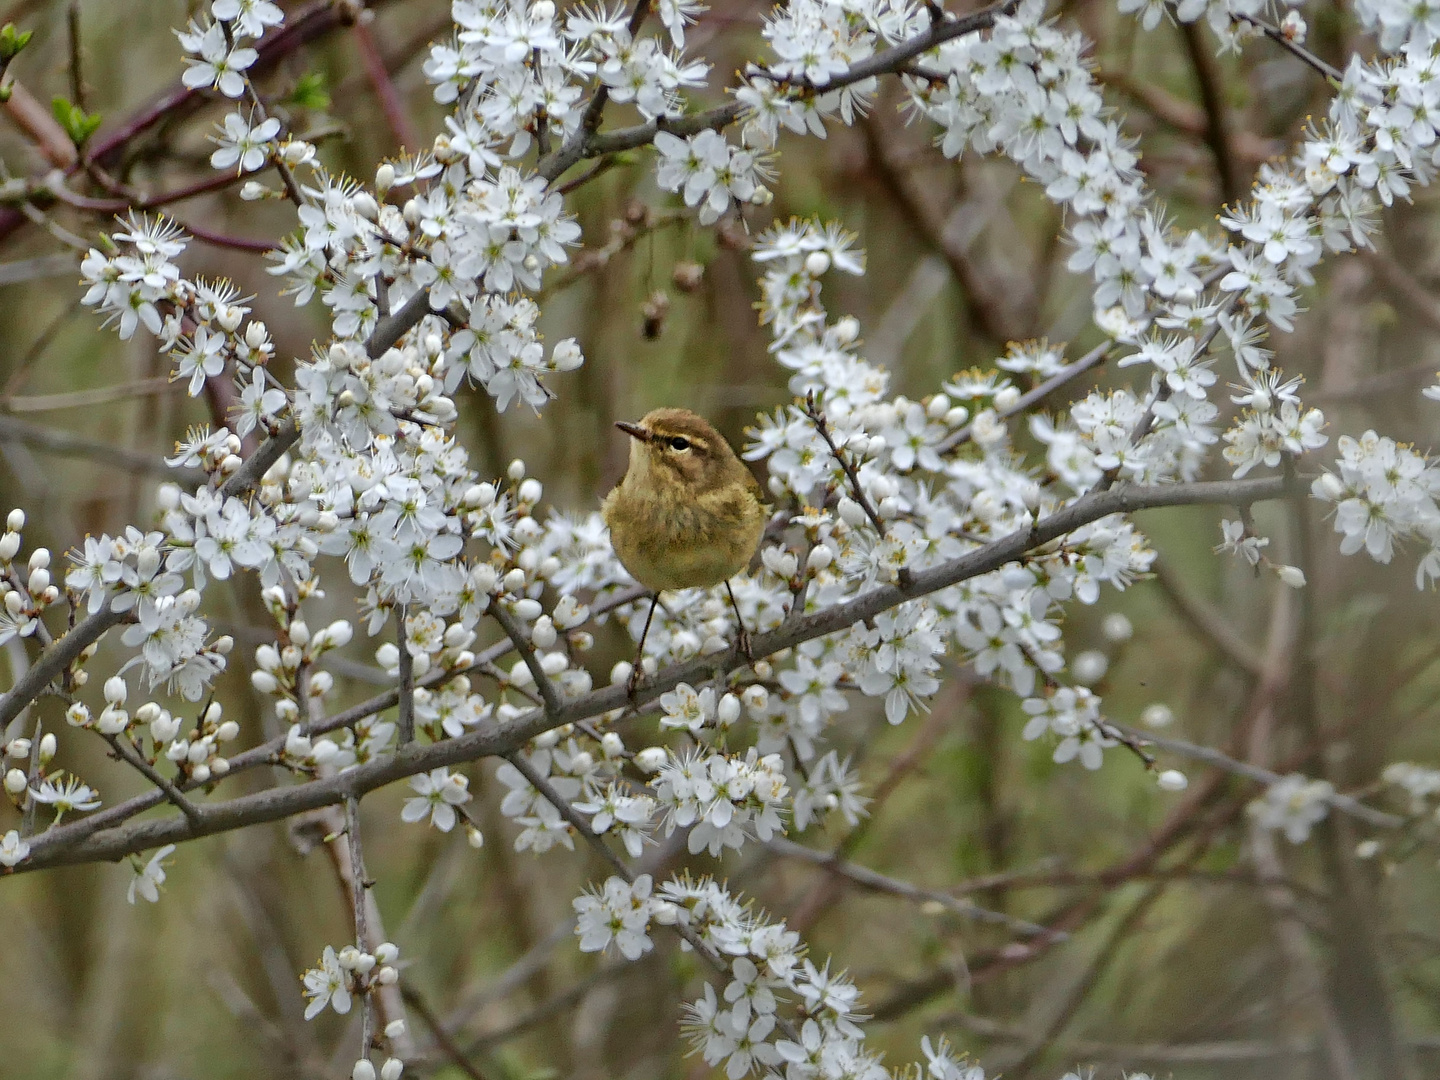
{"x":62,"y":846}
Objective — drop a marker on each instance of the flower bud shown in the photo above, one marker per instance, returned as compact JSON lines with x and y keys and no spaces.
{"x":1117,"y":627}
{"x":364,"y":204}
{"x":393,"y":1067}
{"x":847,"y":330}
{"x":816,"y":263}
{"x":384,"y":178}
{"x":566,"y":356}
{"x":112,"y":721}
{"x":9,"y":546}
{"x":821,"y":556}
{"x":851,"y":512}
{"x":15,"y":520}
{"x":543,"y":633}
{"x":1157,"y":715}
{"x":651,"y":758}
{"x":362,"y":1070}
{"x":1292,"y":576}
{"x":1327,"y":486}
{"x":39,"y":559}
{"x":16,"y":781}
{"x":164,"y":727}
{"x":516,"y":471}
{"x":116,"y":690}
{"x":1172,"y":780}
{"x":394,"y":1029}
{"x":47,"y":748}
{"x":1090,"y":666}
{"x":264,"y":682}
{"x":728,"y":711}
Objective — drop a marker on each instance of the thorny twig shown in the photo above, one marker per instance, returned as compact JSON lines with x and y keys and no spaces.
{"x":822,"y":428}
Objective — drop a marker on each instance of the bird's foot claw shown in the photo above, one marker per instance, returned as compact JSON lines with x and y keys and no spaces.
{"x":742,"y":646}
{"x":636,"y":680}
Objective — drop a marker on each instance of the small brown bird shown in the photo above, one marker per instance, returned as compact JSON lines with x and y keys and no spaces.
{"x":687,"y":514}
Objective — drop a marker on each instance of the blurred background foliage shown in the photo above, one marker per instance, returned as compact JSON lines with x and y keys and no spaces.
{"x":1180,"y":959}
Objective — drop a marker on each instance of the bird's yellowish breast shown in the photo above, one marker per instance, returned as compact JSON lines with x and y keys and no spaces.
{"x":683,"y":544}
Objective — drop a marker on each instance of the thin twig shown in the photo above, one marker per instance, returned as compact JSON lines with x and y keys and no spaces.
{"x":1275,"y":34}
{"x":516,"y":634}
{"x":406,"y":718}
{"x":817,"y":417}
{"x":127,"y":753}
{"x":878,"y":882}
{"x":1343,"y":803}
{"x":358,"y":886}
{"x":1069,"y":373}
{"x":453,"y":1054}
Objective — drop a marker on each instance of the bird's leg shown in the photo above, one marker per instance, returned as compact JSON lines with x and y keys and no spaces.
{"x":742,"y":636}
{"x":637,"y":673}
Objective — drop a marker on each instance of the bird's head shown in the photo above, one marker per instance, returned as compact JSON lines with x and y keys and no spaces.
{"x":672,"y":446}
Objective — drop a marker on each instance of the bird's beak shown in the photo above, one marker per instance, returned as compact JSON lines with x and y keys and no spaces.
{"x":635,"y":431}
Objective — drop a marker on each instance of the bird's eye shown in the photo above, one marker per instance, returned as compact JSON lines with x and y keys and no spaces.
{"x":679,"y":442}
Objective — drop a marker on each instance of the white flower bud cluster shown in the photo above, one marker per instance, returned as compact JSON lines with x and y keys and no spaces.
{"x":365,"y":741}
{"x":722,"y":798}
{"x":618,"y":913}
{"x":573,"y":772}
{"x":278,"y":666}
{"x":830,"y":786}
{"x":26,"y":590}
{"x":351,"y":971}
{"x":1072,"y":714}
{"x":196,"y":753}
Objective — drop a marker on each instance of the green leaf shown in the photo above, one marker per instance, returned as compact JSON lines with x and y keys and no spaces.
{"x":78,"y":124}
{"x":12,"y":41}
{"x":310,"y":92}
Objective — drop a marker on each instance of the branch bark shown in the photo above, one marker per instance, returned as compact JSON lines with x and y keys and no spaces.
{"x":57,"y":848}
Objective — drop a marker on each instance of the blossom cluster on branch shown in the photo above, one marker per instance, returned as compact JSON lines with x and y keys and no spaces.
{"x":906,"y":531}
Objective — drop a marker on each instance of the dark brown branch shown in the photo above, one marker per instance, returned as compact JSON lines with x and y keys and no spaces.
{"x":1217,"y":130}
{"x":505,"y":737}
